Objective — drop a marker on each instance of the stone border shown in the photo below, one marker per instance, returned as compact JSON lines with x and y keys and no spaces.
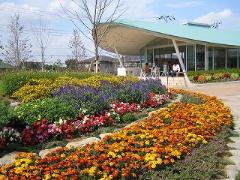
{"x":234,"y":146}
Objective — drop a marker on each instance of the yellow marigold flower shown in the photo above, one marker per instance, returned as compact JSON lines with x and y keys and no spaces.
{"x":142,"y":136}
{"x":47,"y":177}
{"x":18,"y":170}
{"x":159,"y":161}
{"x":92,"y":171}
{"x":147,"y":142}
{"x":204,"y":141}
{"x":112,"y":154}
{"x":111,"y":164}
{"x":153,"y":165}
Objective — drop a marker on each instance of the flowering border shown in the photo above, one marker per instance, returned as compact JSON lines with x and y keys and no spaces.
{"x":167,"y":135}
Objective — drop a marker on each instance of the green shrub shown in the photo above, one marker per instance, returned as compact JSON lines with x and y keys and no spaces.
{"x":51,"y":108}
{"x":127,"y":95}
{"x":11,"y":82}
{"x":129,"y":117}
{"x":234,"y":76}
{"x":191,"y":99}
{"x":214,"y":75}
{"x":6,"y":112}
{"x":218,"y":76}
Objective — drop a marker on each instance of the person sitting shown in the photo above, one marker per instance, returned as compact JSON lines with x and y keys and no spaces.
{"x":155,"y":71}
{"x":146,"y":69}
{"x":175,"y":69}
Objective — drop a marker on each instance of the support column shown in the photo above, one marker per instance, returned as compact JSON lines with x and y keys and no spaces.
{"x":153,"y":60}
{"x":187,"y":81}
{"x":186,"y":58}
{"x":206,"y":58}
{"x":226,"y":55}
{"x":195,"y":57}
{"x":119,"y":58}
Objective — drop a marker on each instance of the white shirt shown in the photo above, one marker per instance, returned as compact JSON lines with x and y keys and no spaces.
{"x":176,"y":67}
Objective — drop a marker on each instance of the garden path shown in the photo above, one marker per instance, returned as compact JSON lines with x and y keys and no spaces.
{"x":229,"y":92}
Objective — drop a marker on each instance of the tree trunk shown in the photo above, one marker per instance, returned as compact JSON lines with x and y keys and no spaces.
{"x":96,"y":59}
{"x":42,"y":54}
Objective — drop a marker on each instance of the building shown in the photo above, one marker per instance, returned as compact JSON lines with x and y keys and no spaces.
{"x":5,"y":66}
{"x":107,"y":64}
{"x":194,"y":46}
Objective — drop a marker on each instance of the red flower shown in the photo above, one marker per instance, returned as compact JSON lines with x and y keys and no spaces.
{"x":2,"y":143}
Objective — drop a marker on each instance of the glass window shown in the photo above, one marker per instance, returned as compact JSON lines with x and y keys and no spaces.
{"x":232,"y":58}
{"x":142,"y":57}
{"x":190,"y":58}
{"x":219,"y":58}
{"x":210,"y":58}
{"x":200,"y":55}
{"x":150,"y":55}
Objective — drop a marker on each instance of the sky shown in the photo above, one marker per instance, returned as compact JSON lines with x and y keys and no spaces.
{"x":60,"y":26}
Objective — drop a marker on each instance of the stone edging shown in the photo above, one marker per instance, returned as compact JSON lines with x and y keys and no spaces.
{"x":234,"y":146}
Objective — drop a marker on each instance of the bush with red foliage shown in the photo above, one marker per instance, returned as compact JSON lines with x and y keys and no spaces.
{"x":68,"y":129}
{"x":28,"y":136}
{"x":226,"y":75}
{"x":2,"y":143}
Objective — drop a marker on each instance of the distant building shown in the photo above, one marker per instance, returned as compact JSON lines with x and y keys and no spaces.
{"x":107,"y":64}
{"x":131,"y":61}
{"x":5,"y":66}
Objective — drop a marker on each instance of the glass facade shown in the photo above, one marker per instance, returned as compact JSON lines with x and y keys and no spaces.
{"x":190,"y":58}
{"x":150,"y":56}
{"x":219,"y":58}
{"x":232,"y":58}
{"x":200,"y":57}
{"x":210,"y":58}
{"x":195,"y":58}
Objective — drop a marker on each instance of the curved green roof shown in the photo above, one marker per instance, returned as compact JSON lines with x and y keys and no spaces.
{"x":191,"y":32}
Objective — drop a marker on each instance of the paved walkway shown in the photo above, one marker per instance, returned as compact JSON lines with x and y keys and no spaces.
{"x":229,"y":92}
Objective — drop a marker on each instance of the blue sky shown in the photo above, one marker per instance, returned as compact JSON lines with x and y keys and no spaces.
{"x":205,"y":11}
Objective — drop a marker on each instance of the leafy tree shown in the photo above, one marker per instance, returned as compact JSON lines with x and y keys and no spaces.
{"x":72,"y":64}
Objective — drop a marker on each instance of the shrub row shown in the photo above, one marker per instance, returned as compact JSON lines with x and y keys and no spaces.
{"x":214,"y":76}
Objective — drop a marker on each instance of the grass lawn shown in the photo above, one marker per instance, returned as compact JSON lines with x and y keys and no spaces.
{"x":1,"y":87}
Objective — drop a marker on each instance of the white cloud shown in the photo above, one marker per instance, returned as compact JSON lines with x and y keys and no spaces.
{"x":186,"y":4}
{"x":215,"y":16}
{"x":141,"y":9}
{"x":228,"y":18}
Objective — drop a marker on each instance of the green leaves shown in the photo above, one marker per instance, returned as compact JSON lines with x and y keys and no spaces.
{"x":51,"y":108}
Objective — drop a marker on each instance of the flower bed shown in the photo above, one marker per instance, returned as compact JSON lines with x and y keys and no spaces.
{"x":41,"y":88}
{"x":76,"y":110}
{"x":158,"y":141}
{"x":214,"y":76}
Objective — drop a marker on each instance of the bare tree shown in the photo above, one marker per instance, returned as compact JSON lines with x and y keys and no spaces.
{"x":77,"y":47}
{"x":88,"y":14}
{"x":18,"y":49}
{"x":41,"y":34}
